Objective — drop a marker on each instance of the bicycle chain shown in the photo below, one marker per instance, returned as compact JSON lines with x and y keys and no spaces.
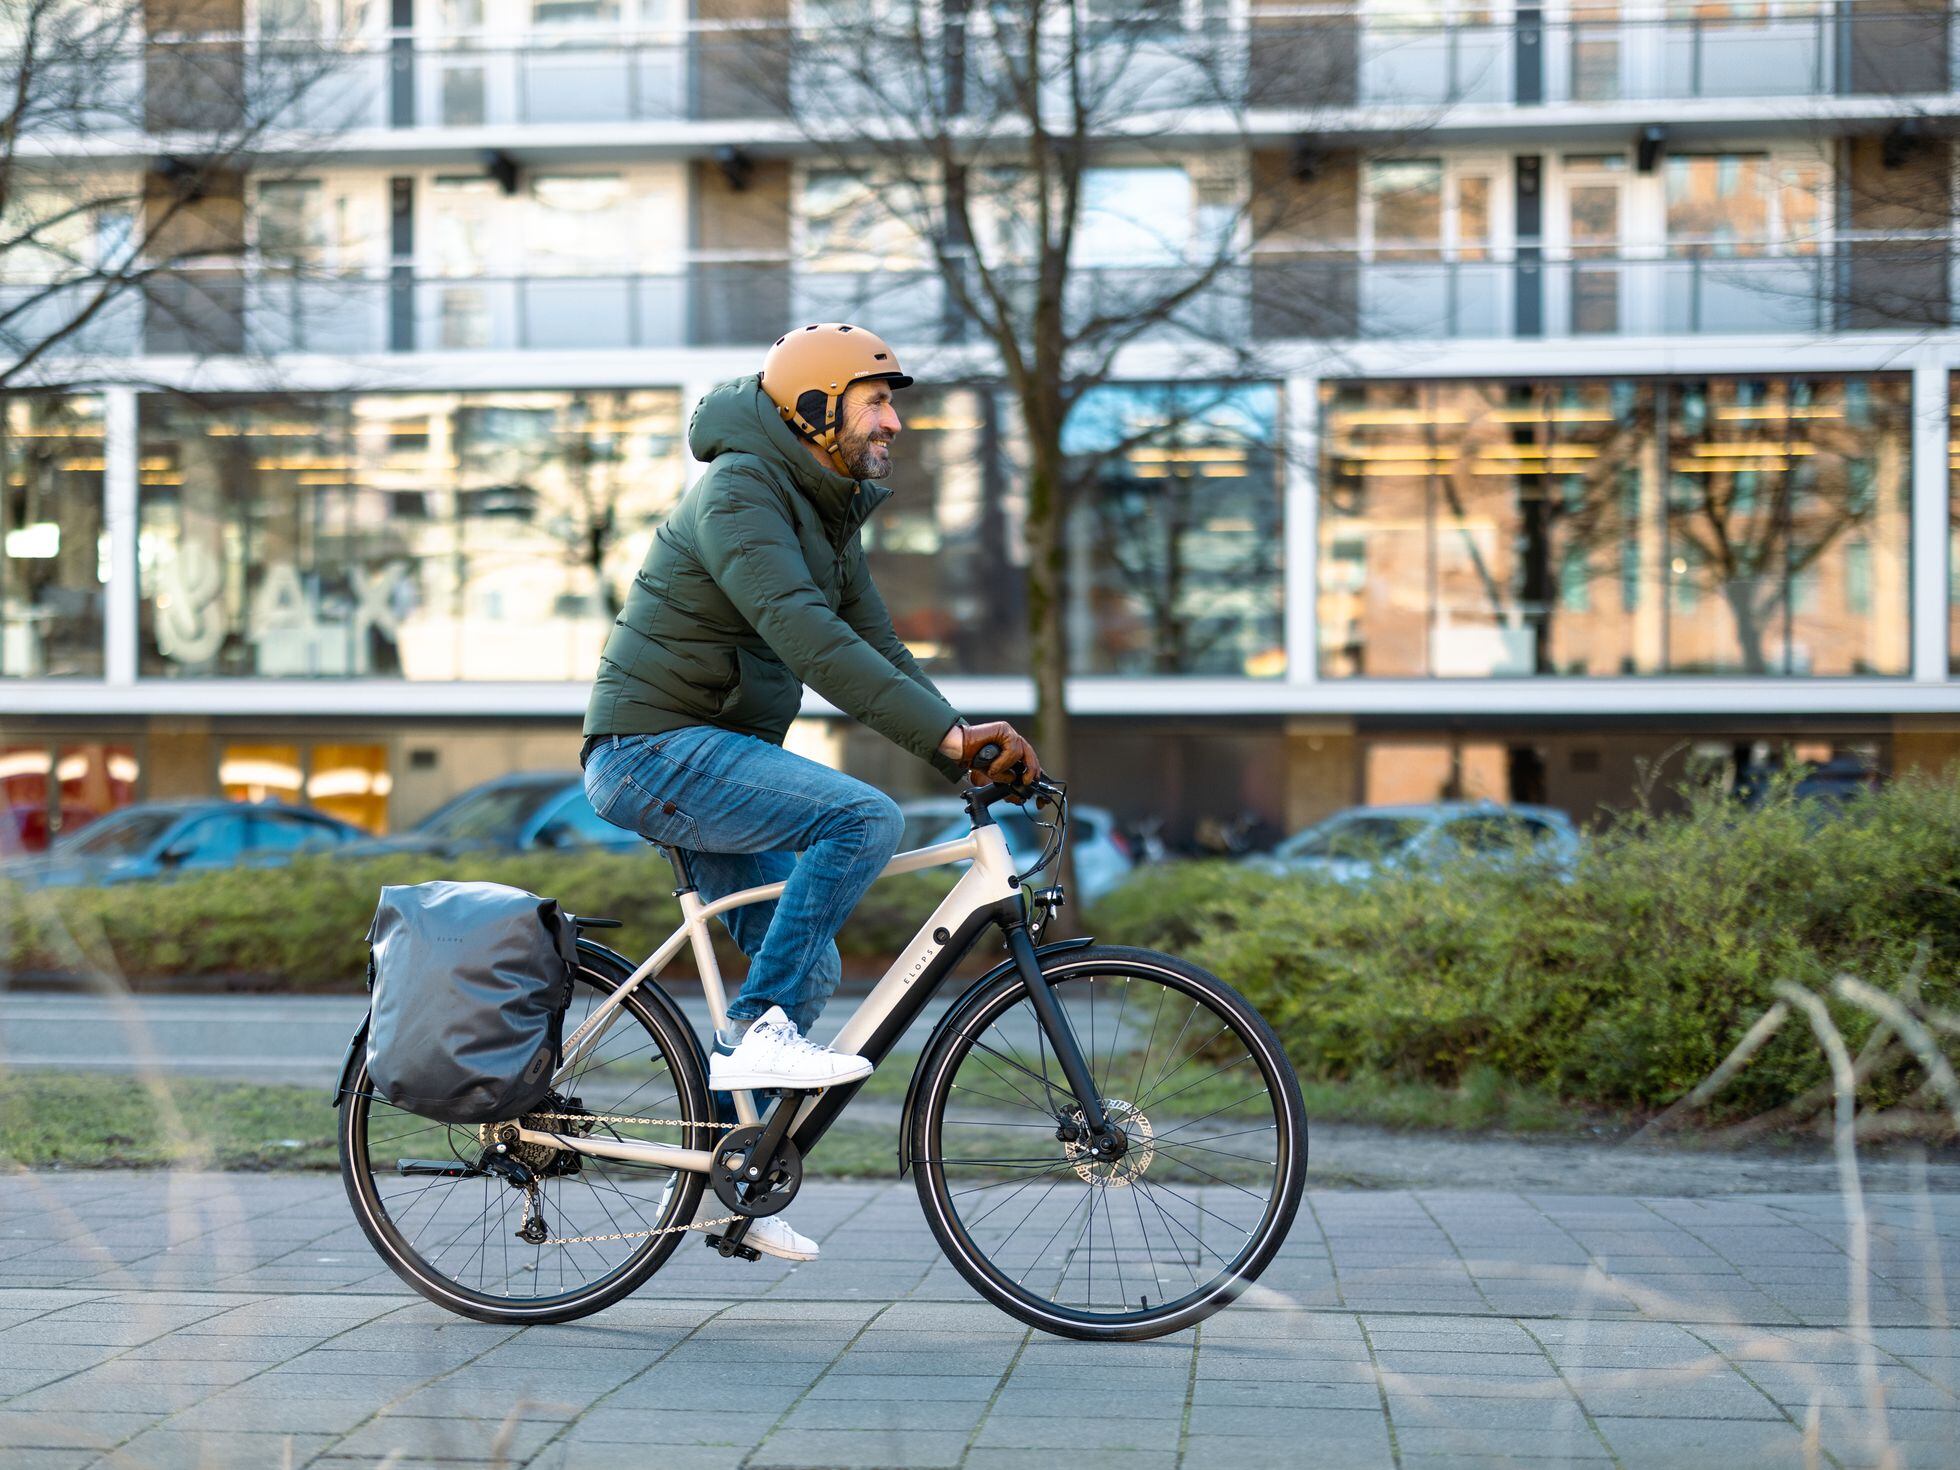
{"x":645,"y":1122}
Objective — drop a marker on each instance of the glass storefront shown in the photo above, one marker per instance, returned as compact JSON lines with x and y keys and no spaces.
{"x":1615,"y":526}
{"x":1175,"y":555}
{"x":53,"y":551}
{"x":423,"y":536}
{"x":51,"y":789}
{"x":1173,"y":551}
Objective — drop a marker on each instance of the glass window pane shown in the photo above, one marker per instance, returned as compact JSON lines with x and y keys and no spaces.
{"x":1175,"y":555}
{"x":485,"y":535}
{"x":1775,"y":481}
{"x":351,"y":782}
{"x":94,"y":780}
{"x":948,"y":551}
{"x":53,"y":545}
{"x":577,"y":225}
{"x":1718,"y":204}
{"x":1407,"y":197}
{"x":260,"y":773}
{"x":1481,"y":529}
{"x":24,"y":818}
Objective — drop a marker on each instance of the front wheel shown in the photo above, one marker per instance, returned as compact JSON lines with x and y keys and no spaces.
{"x":1214,"y":1154}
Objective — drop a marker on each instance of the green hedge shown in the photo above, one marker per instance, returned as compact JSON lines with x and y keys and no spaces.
{"x":1623,"y":987}
{"x":302,"y":926}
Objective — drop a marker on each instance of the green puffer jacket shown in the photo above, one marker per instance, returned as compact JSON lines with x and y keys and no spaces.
{"x":755,"y":586}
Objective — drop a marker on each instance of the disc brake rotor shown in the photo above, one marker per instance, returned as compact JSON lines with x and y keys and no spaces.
{"x":1135,"y":1160}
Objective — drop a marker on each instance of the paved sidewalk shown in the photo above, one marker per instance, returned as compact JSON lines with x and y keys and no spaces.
{"x":150,"y":1321}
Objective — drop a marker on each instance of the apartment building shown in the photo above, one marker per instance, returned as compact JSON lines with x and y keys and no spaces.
{"x":1603,"y":420}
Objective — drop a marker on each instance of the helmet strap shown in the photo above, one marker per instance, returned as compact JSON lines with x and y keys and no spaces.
{"x":820,"y":427}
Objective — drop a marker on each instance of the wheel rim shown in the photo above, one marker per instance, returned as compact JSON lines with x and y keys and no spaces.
{"x":1187,"y":1208}
{"x":459,"y":1237}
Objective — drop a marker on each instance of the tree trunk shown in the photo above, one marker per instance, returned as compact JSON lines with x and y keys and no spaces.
{"x":1048,"y":611}
{"x":1748,"y":627}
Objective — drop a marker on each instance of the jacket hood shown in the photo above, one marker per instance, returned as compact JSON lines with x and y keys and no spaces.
{"x":738,"y":418}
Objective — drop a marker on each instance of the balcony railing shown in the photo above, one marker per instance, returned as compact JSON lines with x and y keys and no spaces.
{"x":1309,"y":59}
{"x":1878,"y":285}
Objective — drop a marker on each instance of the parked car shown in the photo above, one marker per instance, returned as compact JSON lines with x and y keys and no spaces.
{"x":523,"y":812}
{"x":161,"y":839}
{"x":1102,"y":856}
{"x":1357,"y":844}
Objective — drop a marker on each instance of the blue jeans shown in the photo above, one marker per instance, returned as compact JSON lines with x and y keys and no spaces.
{"x":741,"y":809}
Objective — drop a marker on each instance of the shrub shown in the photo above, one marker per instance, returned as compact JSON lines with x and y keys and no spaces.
{"x":305,"y":925}
{"x":1624,"y":986}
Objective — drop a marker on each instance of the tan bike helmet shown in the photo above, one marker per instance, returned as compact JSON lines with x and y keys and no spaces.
{"x":807,"y":371}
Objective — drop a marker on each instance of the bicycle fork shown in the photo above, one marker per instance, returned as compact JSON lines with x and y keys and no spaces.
{"x":1055,"y":1025}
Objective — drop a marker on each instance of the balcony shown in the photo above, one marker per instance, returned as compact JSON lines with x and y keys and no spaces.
{"x":1864,"y":285}
{"x":1274,"y":61}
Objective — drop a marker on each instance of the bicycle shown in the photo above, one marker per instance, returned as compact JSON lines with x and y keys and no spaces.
{"x":1108,"y":1142}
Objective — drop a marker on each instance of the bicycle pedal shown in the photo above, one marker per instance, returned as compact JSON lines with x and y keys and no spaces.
{"x":733,"y":1248}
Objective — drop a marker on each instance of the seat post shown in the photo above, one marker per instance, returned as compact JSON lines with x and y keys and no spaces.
{"x":683,"y":870}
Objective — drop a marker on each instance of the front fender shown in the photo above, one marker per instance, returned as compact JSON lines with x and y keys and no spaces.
{"x":1060,"y":946}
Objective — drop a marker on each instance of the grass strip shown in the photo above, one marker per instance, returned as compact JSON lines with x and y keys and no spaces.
{"x":80,"y":1120}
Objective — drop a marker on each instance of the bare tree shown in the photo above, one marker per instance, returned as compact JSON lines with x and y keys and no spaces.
{"x":967,"y":192}
{"x":127,"y":130}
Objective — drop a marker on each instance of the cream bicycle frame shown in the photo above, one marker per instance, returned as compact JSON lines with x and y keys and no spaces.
{"x":991,"y":879}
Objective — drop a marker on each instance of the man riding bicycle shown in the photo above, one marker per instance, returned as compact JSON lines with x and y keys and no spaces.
{"x":755,"y":586}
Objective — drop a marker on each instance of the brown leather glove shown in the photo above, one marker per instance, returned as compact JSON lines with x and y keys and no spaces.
{"x":1014,"y":748}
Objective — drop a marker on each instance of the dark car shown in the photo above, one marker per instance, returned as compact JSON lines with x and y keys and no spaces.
{"x":161,"y":839}
{"x":518,"y":813}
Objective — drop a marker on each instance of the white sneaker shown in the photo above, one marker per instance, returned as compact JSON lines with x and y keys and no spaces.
{"x":773,"y":1053}
{"x":771,"y":1235}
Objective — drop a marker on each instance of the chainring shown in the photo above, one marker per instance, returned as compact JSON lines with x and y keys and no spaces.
{"x":772,"y":1191}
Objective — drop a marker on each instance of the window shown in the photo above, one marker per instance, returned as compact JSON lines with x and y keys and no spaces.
{"x":1728,"y":204}
{"x":1134,"y":217}
{"x":578,"y":224}
{"x":53,"y":541}
{"x":216,"y":841}
{"x":1177,"y":552}
{"x":846,"y":228}
{"x":1469,"y":529}
{"x":286,"y":832}
{"x":1405,"y":201}
{"x":292,"y":225}
{"x":409,"y":535}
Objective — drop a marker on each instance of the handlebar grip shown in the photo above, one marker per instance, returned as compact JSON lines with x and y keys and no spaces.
{"x":987,"y":754}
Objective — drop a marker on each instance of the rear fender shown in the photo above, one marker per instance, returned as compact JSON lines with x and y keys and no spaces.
{"x":1060,"y":946}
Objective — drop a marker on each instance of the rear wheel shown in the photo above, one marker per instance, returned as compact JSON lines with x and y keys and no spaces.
{"x":1212,"y":1164}
{"x":456,"y":1238}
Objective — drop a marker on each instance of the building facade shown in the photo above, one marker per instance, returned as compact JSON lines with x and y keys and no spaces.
{"x":1602,"y":424}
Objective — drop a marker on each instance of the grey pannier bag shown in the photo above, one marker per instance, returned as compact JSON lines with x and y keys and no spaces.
{"x":469,"y":983}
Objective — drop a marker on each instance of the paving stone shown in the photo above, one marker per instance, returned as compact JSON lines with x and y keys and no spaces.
{"x":168,"y":1449}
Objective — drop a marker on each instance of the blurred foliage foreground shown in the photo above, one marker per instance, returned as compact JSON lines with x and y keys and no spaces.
{"x":1626,"y":987}
{"x":1621,"y":989}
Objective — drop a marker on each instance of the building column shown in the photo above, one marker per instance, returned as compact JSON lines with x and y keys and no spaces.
{"x":1930,"y":481}
{"x":1300,"y":527}
{"x":120,"y":453}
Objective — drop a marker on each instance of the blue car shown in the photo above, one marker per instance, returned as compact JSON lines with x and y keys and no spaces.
{"x":162,"y":839}
{"x":1357,"y":844}
{"x":523,"y":812}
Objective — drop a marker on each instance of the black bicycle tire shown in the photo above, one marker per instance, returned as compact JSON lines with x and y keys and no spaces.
{"x":683,"y":1055}
{"x":933,"y":1086}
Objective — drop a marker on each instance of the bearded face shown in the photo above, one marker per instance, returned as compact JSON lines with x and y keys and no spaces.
{"x":868,"y":424}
